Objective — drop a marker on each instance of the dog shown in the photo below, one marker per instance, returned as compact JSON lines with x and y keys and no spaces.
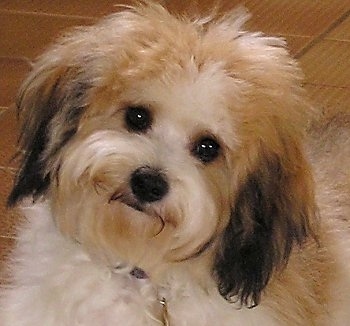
{"x":174,"y":173}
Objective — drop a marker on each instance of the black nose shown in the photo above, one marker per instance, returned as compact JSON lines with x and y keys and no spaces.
{"x":148,"y":185}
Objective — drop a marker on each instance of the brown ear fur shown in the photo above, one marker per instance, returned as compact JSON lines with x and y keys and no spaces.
{"x":272,"y":210}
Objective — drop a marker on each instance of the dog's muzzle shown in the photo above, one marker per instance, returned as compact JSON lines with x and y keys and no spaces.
{"x":148,"y":185}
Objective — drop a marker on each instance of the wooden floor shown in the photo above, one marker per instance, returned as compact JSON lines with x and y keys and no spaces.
{"x":317,"y":31}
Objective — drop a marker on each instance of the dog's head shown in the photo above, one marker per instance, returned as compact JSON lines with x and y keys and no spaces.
{"x":158,"y":139}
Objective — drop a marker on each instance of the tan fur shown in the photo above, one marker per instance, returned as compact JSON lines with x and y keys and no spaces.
{"x":197,"y":78}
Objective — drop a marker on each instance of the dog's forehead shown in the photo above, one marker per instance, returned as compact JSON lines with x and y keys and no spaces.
{"x":196,"y":100}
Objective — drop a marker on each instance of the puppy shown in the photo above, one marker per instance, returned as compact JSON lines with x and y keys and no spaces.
{"x":174,"y":174}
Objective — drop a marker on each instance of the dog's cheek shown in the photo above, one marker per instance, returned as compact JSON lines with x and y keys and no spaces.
{"x":109,"y":230}
{"x":199,"y":209}
{"x":89,"y":172}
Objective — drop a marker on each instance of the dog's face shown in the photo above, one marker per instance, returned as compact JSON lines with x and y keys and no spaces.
{"x":158,"y":140}
{"x":149,"y":166}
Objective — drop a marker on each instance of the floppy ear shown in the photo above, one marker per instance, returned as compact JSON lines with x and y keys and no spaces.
{"x":271,"y":212}
{"x":50,"y":104}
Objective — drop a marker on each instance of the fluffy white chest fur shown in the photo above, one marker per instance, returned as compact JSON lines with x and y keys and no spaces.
{"x":59,"y":285}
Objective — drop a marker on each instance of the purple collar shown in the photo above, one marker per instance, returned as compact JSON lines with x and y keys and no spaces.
{"x":138,"y":273}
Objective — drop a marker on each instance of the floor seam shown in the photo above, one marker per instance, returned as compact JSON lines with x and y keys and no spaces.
{"x":322,"y":35}
{"x":45,"y":14}
{"x":327,"y":86}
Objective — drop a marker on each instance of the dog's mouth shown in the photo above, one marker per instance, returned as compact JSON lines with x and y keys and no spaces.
{"x":127,"y":200}
{"x":144,"y":208}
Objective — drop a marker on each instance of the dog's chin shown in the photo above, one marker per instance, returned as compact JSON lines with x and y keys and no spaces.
{"x":159,"y":239}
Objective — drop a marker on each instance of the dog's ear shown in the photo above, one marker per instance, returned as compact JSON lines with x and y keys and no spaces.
{"x":50,"y":104}
{"x":271,"y":212}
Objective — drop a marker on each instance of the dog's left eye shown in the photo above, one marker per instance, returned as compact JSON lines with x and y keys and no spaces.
{"x":138,"y":118}
{"x":206,"y":149}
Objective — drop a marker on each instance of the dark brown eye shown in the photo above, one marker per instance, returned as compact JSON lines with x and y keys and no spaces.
{"x":206,"y":149}
{"x":138,"y":118}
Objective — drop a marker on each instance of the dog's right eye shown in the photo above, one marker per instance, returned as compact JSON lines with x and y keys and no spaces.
{"x":138,"y":118}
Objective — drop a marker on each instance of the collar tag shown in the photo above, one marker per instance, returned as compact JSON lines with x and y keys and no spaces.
{"x":165,"y":314}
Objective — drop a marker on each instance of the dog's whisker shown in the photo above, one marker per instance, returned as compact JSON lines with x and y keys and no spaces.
{"x":99,"y":187}
{"x":115,"y":196}
{"x":162,"y":225}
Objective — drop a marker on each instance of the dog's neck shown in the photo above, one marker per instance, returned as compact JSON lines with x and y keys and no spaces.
{"x":173,"y":280}
{"x":177,"y":277}
{"x":140,"y":274}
